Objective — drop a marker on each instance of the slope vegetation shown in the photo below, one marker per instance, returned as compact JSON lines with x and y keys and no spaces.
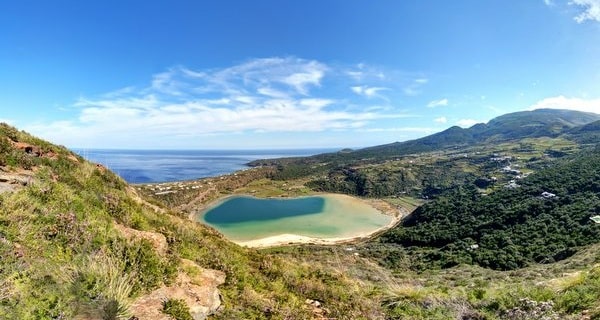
{"x":77,"y":242}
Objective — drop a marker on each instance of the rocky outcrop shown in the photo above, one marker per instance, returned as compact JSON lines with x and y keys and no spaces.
{"x":194,"y":285}
{"x":12,"y":181}
{"x":35,"y":151}
{"x":28,"y":148}
{"x":158,"y":240}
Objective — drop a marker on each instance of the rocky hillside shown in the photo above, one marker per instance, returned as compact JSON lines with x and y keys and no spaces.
{"x":76,"y":242}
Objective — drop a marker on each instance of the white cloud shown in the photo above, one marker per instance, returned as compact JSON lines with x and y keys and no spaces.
{"x":548,"y":2}
{"x":260,"y":95}
{"x":562,"y":102}
{"x":438,"y":103}
{"x":441,"y":120}
{"x":400,"y":129}
{"x":591,"y":10}
{"x":369,"y":92}
{"x":356,"y":75}
{"x":414,"y":87}
{"x":270,"y":92}
{"x":362,"y":72}
{"x":311,"y":75}
{"x":465,"y":123}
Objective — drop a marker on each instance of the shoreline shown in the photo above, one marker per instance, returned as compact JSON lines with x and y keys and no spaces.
{"x":287,"y":239}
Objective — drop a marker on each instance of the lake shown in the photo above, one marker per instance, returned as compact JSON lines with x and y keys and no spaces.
{"x":245,"y":218}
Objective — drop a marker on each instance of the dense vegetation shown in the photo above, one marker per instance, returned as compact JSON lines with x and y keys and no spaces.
{"x":512,"y":227}
{"x":381,"y":180}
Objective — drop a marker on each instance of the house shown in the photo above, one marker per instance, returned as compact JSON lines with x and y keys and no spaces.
{"x":512,"y":185}
{"x":510,"y":170}
{"x":548,"y":195}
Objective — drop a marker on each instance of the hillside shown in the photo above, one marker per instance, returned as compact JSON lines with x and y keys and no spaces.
{"x":425,"y":166}
{"x":531,"y":124}
{"x":518,"y":125}
{"x":512,"y":126}
{"x":76,"y":242}
{"x":545,"y":217}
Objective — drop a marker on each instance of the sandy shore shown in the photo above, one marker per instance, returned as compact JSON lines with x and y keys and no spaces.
{"x":294,"y":239}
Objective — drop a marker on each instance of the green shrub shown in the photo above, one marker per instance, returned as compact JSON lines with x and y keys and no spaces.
{"x":141,"y":259}
{"x":177,"y":309}
{"x":113,"y":310}
{"x":581,"y":296}
{"x":8,"y":131}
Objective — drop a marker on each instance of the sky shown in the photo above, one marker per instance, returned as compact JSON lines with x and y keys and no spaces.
{"x":279,"y":74}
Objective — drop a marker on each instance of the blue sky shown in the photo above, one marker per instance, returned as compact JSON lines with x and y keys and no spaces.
{"x":287,"y":74}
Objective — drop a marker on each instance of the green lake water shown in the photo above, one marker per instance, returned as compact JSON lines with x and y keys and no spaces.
{"x":244,"y":218}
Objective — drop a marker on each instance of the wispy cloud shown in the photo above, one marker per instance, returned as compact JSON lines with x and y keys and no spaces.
{"x":363,"y":72}
{"x":400,"y":129}
{"x":590,"y":10}
{"x":438,"y":103}
{"x":562,"y":102}
{"x":259,"y":95}
{"x":414,"y":87}
{"x":369,"y":92}
{"x":465,"y":123}
{"x":441,"y":120}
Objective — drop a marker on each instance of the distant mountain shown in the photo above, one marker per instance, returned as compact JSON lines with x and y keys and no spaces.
{"x":581,"y":127}
{"x":532,"y":124}
{"x":512,"y":126}
{"x":590,"y":127}
{"x":586,"y":134}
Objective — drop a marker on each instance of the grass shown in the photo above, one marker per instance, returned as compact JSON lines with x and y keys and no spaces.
{"x":176,"y":309}
{"x":408,"y":203}
{"x":62,"y":258}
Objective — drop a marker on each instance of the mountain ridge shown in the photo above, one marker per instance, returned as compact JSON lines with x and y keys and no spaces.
{"x":517,"y":125}
{"x":510,"y":126}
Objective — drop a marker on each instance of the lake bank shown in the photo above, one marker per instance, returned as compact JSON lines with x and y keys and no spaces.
{"x":294,"y":239}
{"x":342,"y":219}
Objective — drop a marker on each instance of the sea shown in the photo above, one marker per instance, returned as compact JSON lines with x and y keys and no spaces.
{"x":153,"y":166}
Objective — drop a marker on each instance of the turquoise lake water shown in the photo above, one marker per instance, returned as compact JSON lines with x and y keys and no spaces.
{"x":244,"y":218}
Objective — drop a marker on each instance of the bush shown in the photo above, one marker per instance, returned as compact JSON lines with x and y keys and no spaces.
{"x":177,"y":309}
{"x":8,"y":131}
